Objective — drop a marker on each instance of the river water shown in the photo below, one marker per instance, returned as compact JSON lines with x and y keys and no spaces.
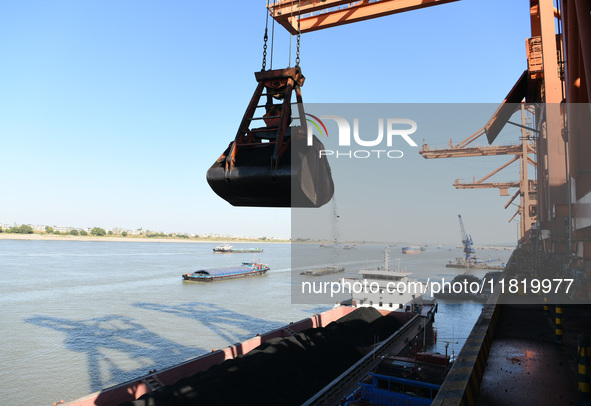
{"x":79,"y":316}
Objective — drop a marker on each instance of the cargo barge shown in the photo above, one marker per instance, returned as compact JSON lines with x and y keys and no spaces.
{"x":411,"y":250}
{"x":473,"y":263}
{"x":323,"y":271}
{"x":327,"y":343}
{"x":227,"y":249}
{"x":209,"y":275}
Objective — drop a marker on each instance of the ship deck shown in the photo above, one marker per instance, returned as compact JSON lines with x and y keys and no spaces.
{"x":525,"y":360}
{"x":514,"y":347}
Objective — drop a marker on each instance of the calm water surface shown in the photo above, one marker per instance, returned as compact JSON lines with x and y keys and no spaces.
{"x":79,"y":316}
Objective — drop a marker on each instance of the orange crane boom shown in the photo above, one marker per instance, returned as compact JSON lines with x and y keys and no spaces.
{"x":316,"y":15}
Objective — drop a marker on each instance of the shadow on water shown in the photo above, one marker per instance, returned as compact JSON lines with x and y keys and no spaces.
{"x":231,"y":326}
{"x":319,"y":309}
{"x":117,"y":348}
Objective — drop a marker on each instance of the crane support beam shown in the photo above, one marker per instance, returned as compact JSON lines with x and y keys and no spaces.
{"x":498,"y":185}
{"x":512,"y":199}
{"x":532,"y":162}
{"x":515,"y":215}
{"x":502,"y":186}
{"x":509,"y":106}
{"x":470,"y":139}
{"x":498,"y":169}
{"x":316,"y":15}
{"x":282,"y":8}
{"x":468,"y":152}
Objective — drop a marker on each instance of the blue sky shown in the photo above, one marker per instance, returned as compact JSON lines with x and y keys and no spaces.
{"x":111,"y":112}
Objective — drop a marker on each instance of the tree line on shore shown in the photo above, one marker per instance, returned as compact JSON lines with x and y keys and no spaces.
{"x":22,"y":229}
{"x":95,"y":231}
{"x":101,"y":232}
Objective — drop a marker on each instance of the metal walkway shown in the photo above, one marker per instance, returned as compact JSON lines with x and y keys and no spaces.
{"x":525,"y":366}
{"x":512,"y":358}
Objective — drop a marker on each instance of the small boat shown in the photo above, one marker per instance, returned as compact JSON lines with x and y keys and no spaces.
{"x":216,"y":274}
{"x":222,"y":248}
{"x":411,"y":250}
{"x":227,"y":249}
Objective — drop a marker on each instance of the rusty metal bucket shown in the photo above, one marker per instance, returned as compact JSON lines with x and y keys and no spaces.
{"x":301,"y":179}
{"x":272,"y":166}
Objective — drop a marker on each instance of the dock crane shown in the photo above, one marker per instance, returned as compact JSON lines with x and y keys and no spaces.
{"x":272,"y":162}
{"x":467,"y":242}
{"x":256,"y":169}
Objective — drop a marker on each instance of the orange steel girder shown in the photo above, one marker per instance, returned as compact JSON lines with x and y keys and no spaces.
{"x":519,"y":150}
{"x":319,"y":14}
{"x":500,"y":168}
{"x":502,"y":186}
{"x":576,"y":35}
{"x":462,"y":150}
{"x":551,"y":146}
{"x":453,"y":152}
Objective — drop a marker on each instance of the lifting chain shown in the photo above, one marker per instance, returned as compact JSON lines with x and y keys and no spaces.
{"x":297,"y":60}
{"x":265,"y":38}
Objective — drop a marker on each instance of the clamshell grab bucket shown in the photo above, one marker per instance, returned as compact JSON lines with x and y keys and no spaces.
{"x":301,"y":179}
{"x":273,"y":166}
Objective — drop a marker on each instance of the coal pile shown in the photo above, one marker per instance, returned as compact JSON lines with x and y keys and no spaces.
{"x":281,"y":371}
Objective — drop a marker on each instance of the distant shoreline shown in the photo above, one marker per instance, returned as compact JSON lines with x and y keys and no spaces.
{"x":53,"y":237}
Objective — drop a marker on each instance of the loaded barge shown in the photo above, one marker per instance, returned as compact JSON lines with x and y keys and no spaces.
{"x":323,"y":271}
{"x":411,"y":250}
{"x":473,"y":263}
{"x":317,"y":350}
{"x":216,"y":274}
{"x":227,"y":249}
